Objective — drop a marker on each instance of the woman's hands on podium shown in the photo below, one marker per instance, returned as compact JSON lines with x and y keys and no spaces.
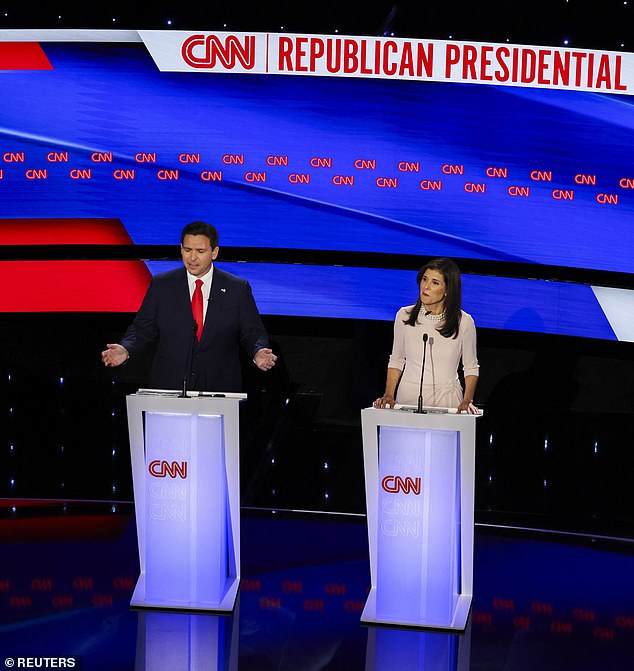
{"x":385,"y":401}
{"x":468,"y":407}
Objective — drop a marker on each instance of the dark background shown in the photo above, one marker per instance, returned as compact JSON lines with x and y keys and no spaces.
{"x":554,"y":448}
{"x":591,"y":24}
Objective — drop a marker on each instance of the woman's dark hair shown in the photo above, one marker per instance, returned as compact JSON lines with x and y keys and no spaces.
{"x":453,"y":296}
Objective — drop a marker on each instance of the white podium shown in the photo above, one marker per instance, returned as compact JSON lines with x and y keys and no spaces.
{"x":186,"y":477}
{"x":419,"y":480}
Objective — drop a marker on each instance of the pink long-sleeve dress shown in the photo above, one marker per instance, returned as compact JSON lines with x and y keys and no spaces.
{"x":441,"y":386}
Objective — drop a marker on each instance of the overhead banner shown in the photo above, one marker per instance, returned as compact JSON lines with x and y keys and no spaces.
{"x":98,"y":146}
{"x":393,"y":58}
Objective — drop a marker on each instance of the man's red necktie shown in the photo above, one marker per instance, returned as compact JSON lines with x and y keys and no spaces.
{"x":197,"y":308}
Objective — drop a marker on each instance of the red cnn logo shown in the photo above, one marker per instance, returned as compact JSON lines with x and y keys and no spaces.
{"x":160,"y":468}
{"x":202,"y":51}
{"x":395,"y":484}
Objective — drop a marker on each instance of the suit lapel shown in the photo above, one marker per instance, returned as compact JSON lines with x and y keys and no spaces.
{"x":185,"y":306}
{"x":181,"y":308}
{"x":214,"y":306}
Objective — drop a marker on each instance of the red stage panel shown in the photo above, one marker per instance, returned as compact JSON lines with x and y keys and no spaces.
{"x":72,"y":286}
{"x":23,"y":56}
{"x":63,"y":232}
{"x":69,"y":286}
{"x":59,"y":527}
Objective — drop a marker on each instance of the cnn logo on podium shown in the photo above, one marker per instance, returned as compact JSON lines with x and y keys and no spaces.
{"x":395,"y":484}
{"x":160,"y":468}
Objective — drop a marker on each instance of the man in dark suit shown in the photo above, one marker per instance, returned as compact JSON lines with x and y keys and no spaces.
{"x":209,"y":335}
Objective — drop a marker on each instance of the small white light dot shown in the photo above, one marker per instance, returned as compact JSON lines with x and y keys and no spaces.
{"x":61,"y":380}
{"x":326,"y":495}
{"x":325,"y":465}
{"x":565,"y":41}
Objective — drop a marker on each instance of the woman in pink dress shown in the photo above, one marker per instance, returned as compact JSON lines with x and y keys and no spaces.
{"x":451,"y":339}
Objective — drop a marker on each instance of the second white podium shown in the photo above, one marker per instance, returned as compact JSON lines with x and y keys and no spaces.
{"x":419,"y":478}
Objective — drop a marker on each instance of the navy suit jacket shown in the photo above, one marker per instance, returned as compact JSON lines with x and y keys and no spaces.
{"x":165,"y":317}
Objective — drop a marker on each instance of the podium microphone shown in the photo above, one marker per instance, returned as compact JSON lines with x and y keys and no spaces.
{"x":188,"y":361}
{"x":420,"y":410}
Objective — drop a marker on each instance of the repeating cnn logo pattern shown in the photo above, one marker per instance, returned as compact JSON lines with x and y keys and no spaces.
{"x":393,"y":484}
{"x":200,"y":51}
{"x":160,"y":468}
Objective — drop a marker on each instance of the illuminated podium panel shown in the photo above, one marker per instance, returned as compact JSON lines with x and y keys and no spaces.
{"x":186,"y":476}
{"x":419,"y":479}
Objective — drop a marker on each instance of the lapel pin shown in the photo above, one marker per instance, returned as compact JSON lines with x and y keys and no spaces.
{"x":224,"y":291}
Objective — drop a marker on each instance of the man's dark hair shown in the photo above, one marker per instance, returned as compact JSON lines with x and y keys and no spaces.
{"x":201,"y":228}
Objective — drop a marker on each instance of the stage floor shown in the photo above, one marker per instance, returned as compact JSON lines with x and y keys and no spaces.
{"x":542,"y":602}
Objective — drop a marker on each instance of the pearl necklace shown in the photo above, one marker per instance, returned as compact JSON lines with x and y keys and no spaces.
{"x":433,"y":318}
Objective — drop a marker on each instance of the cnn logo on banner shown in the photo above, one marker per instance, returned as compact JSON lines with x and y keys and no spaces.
{"x":207,"y":51}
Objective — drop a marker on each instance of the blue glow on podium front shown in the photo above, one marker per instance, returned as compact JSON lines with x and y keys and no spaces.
{"x":418,"y":545}
{"x":187,"y":555}
{"x":186,"y":481}
{"x":420,"y":539}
